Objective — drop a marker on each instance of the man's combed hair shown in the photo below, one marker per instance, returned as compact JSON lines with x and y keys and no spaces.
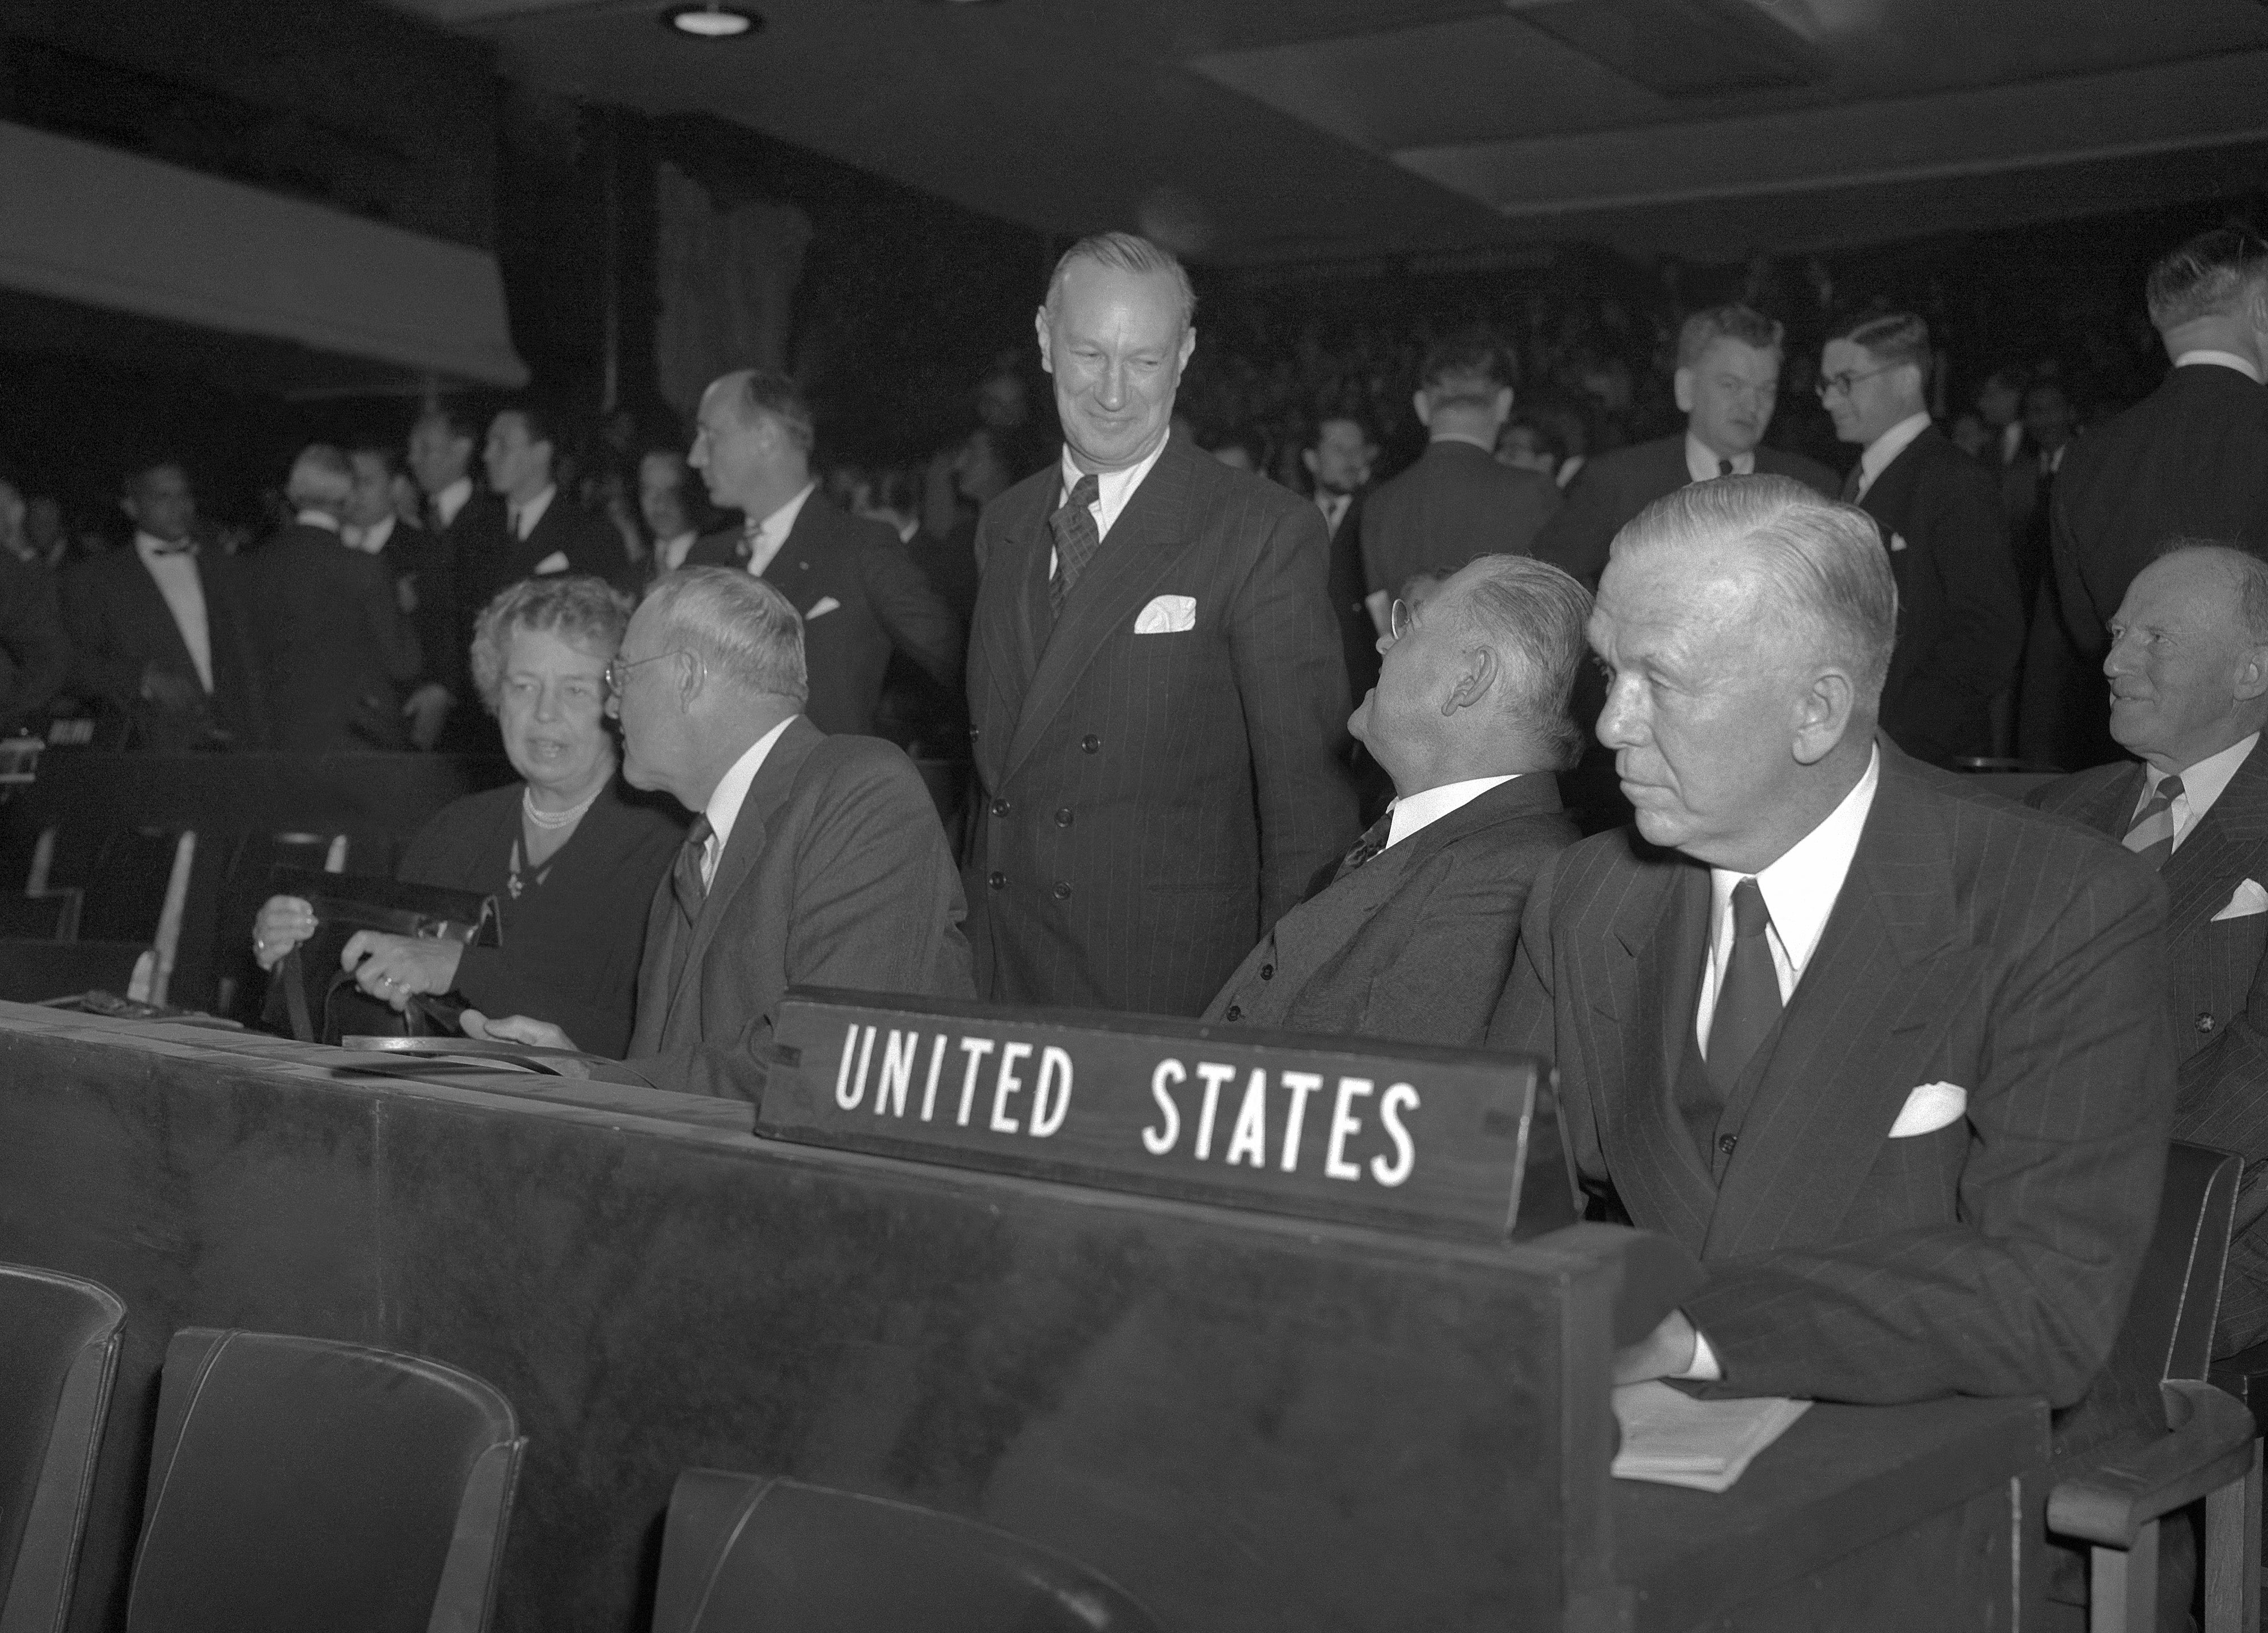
{"x":1743,"y":324}
{"x":580,"y":609}
{"x":768,"y":391}
{"x":1535,"y":615}
{"x":1470,"y":366}
{"x":319,"y":476}
{"x":2223,"y":273}
{"x":1128,"y":252}
{"x":1889,"y":338}
{"x":741,"y":627}
{"x":1824,"y":575}
{"x":2248,"y":571}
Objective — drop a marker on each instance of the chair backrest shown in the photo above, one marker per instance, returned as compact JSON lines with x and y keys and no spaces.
{"x":747,"y":1554}
{"x":59,"y":1340}
{"x":299,"y":1482}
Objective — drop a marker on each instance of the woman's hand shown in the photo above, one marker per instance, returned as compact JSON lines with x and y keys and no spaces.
{"x":282,"y":924}
{"x":392,"y":967}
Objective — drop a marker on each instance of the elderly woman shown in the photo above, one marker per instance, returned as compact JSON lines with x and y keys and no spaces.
{"x":571,"y":862}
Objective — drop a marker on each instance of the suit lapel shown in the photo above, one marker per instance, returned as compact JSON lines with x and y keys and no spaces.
{"x":2218,"y":851}
{"x":2107,"y":807}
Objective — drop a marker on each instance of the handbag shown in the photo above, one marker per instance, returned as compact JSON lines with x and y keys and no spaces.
{"x":318,"y":1001}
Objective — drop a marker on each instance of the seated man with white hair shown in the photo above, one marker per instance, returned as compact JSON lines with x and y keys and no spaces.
{"x":1886,"y":1052}
{"x":814,"y":860}
{"x":1411,"y":936}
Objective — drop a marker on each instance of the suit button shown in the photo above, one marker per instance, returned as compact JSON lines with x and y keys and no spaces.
{"x":999,"y":808}
{"x":1091,"y":743}
{"x":1062,"y":891}
{"x":1267,"y":972}
{"x":1062,"y":817}
{"x":1234,"y":1011}
{"x":999,"y":881}
{"x":2204,"y":1021}
{"x":1725,"y":1142}
{"x":974,"y":732}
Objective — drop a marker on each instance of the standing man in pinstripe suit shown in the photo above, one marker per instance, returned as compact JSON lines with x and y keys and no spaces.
{"x":1155,"y":680}
{"x":1888,"y":1055}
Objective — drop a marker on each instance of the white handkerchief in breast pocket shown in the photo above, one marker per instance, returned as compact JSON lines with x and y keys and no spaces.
{"x":821,"y":608}
{"x":2246,"y":900}
{"x":1897,"y":542}
{"x":1168,"y":614}
{"x":1929,"y":1108}
{"x":554,"y":562}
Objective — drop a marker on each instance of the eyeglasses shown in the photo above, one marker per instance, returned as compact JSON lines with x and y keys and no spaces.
{"x":1399,"y":618}
{"x":617,"y":672}
{"x":1831,"y":385}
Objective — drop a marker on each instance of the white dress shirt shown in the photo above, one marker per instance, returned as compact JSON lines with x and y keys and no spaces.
{"x":2202,"y":784}
{"x":1334,"y":507}
{"x":323,"y":519}
{"x":2223,"y":359}
{"x":2012,"y":438}
{"x":729,"y":794}
{"x":452,"y":499}
{"x":1887,"y":447}
{"x":766,"y":537}
{"x":371,"y":540}
{"x":1430,"y":805}
{"x":523,"y":516}
{"x":175,"y":570}
{"x":1701,"y":460}
{"x":670,"y":553}
{"x":1112,"y":490}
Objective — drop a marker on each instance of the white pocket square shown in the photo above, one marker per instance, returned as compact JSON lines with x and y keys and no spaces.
{"x":554,"y":562}
{"x":1929,"y":1108}
{"x":2246,"y":900}
{"x":1897,"y":542}
{"x":824,"y":605}
{"x":1168,"y":614}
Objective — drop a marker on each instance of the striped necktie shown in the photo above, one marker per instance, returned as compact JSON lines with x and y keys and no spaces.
{"x":685,"y":879}
{"x":2152,"y":836}
{"x":1076,"y":540}
{"x":1373,"y":841}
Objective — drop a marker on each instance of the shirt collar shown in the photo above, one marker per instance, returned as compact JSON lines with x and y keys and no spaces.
{"x":2012,"y":438}
{"x":532,"y":513}
{"x":781,"y":522}
{"x":1112,"y":489}
{"x":454,"y":498}
{"x":2222,"y":359}
{"x":1413,"y":812}
{"x":673,"y":551}
{"x":1887,"y":446}
{"x":1469,"y":440}
{"x":323,"y":519}
{"x":1701,"y":460}
{"x":2202,"y":784}
{"x":1799,"y":889}
{"x":732,"y":791}
{"x":372,"y":539}
{"x":152,"y":548}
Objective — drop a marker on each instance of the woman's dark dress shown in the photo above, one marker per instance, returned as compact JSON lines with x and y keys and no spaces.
{"x":571,"y":943}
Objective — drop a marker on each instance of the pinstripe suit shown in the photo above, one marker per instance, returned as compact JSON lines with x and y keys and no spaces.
{"x":2217,"y":995}
{"x":1973,"y":943}
{"x":1150,"y":805}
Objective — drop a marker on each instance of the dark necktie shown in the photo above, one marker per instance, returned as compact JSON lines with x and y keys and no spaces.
{"x":1851,"y":486}
{"x":2151,"y":837}
{"x":1747,"y":1000}
{"x":685,"y":878}
{"x":1724,"y":468}
{"x":1077,"y":539}
{"x":1373,"y":841}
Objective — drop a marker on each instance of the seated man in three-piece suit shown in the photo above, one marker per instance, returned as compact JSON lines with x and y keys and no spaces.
{"x":1887,"y":1054}
{"x":2188,"y":695}
{"x":1412,"y":937}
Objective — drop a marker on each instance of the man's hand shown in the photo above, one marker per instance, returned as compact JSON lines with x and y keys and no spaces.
{"x":427,"y":712}
{"x":169,"y":689}
{"x":514,"y":1029}
{"x":1665,"y":1352}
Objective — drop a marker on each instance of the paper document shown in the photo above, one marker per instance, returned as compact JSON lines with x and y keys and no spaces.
{"x":1672,"y":1438}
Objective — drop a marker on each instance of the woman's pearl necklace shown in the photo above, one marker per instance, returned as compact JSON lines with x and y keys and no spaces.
{"x":556,"y":820}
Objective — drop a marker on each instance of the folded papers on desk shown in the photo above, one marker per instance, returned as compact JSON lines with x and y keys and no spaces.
{"x":1673,"y":1440}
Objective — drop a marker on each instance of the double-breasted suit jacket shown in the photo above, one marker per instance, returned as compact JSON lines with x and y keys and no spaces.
{"x":1156,"y":769}
{"x":2217,"y":991}
{"x":1416,"y":942}
{"x":1973,"y":944}
{"x":836,"y":874}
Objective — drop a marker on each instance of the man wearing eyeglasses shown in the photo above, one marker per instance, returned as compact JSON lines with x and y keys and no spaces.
{"x":1727,"y":383}
{"x":1961,"y":619}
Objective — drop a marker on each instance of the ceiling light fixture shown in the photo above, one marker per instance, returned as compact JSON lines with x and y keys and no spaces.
{"x":709,"y":20}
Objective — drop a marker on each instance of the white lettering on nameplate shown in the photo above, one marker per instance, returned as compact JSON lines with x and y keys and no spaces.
{"x":1247,"y":1141}
{"x":892,"y":1080}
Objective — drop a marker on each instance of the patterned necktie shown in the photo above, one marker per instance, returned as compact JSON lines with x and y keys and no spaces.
{"x":1747,"y":1000}
{"x":685,"y":878}
{"x":1373,"y":841}
{"x":1851,"y":486}
{"x":2152,"y":836}
{"x":1077,"y":539}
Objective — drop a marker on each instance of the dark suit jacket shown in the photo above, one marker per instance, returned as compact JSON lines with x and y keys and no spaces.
{"x":1612,"y":489}
{"x":1414,"y":945}
{"x":571,"y":943}
{"x":837,"y":875}
{"x":333,"y":642}
{"x":2216,"y":993}
{"x":1349,"y":588}
{"x":118,"y":622}
{"x":1151,"y":804}
{"x":35,"y":652}
{"x":2189,"y":460}
{"x":424,"y":569}
{"x":581,"y":542}
{"x":1454,"y":504}
{"x":1961,"y":623}
{"x":1974,"y":943}
{"x":880,"y":601}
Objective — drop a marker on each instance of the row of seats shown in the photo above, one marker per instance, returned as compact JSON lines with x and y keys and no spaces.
{"x":302,"y":1483}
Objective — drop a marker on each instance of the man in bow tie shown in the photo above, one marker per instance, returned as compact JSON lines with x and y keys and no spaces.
{"x":1155,"y":678}
{"x":2189,"y":696}
{"x":858,"y":591}
{"x":1412,"y":937}
{"x":1887,"y":1053}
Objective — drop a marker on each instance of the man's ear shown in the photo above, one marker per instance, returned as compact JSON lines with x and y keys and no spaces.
{"x":1307,"y":459}
{"x":1424,"y":407}
{"x":692,"y":677}
{"x":1681,"y":382}
{"x":1504,"y":404}
{"x":1476,"y":676}
{"x":1823,"y":715}
{"x":1039,"y":323}
{"x":2252,"y":674}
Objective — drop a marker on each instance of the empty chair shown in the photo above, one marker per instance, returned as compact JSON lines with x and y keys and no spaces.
{"x":298,"y":1482}
{"x":58,"y":1354}
{"x":747,"y":1554}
